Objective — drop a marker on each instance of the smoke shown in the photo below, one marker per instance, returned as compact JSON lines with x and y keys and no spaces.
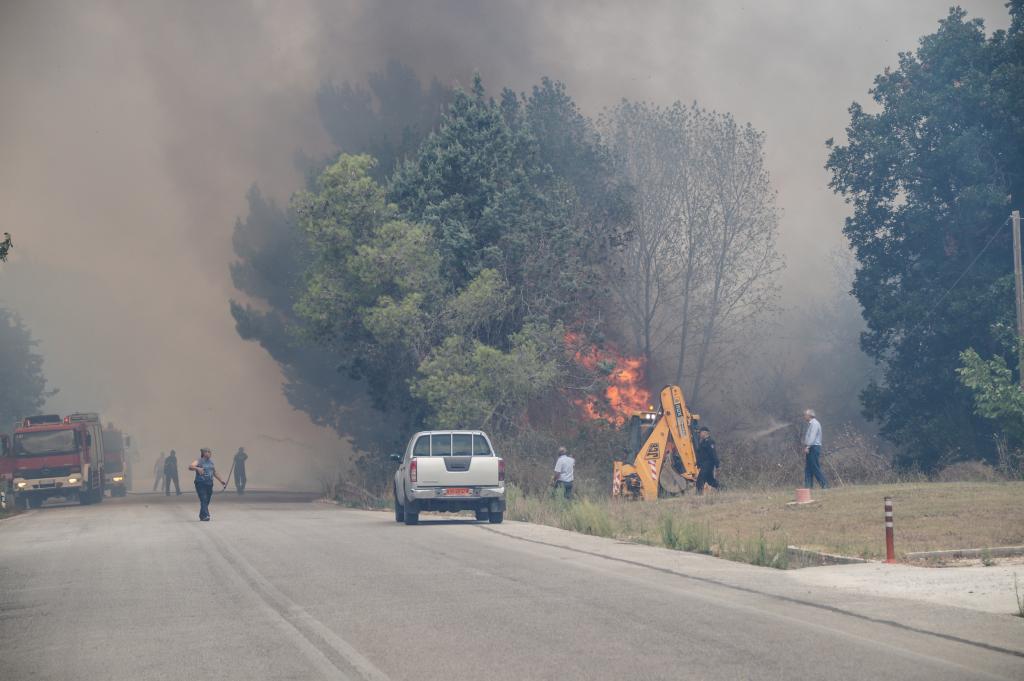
{"x":131,"y":132}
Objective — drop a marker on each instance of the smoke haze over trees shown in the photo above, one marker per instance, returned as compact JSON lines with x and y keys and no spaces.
{"x":133,"y":131}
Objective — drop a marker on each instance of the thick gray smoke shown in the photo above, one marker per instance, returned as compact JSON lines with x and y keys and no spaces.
{"x":131,"y":131}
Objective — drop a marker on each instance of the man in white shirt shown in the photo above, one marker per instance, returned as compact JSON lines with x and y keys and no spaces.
{"x":564,"y":469}
{"x":812,"y":452}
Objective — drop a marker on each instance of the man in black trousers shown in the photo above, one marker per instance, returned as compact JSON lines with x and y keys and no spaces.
{"x":707,"y":461}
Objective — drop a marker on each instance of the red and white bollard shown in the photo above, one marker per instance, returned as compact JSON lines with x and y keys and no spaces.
{"x":890,"y":551}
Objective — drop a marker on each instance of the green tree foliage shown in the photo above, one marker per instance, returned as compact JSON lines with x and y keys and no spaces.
{"x":388,"y":118}
{"x":523,"y":187}
{"x":997,"y":395}
{"x":932,"y":177}
{"x":22,"y":384}
{"x":5,"y":247}
{"x":449,"y":291}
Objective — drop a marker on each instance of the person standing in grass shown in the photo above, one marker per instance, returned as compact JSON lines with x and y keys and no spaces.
{"x":812,"y":452}
{"x":565,"y":468}
{"x":707,"y":461}
{"x":206,"y":472}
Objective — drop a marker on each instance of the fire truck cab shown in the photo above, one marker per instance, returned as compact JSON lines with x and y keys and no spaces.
{"x":55,"y":457}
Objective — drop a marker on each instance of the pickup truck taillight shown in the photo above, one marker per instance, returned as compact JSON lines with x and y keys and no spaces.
{"x":412,"y":470}
{"x":501,"y":470}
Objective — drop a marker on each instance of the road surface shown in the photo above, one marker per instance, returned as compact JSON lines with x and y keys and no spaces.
{"x":277,"y":587}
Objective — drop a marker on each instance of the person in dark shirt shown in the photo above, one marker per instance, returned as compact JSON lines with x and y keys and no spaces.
{"x":239,"y":470}
{"x":171,"y":474}
{"x":707,"y":461}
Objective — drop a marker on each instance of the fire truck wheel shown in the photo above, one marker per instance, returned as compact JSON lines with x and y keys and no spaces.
{"x":85,"y":497}
{"x":35,"y":502}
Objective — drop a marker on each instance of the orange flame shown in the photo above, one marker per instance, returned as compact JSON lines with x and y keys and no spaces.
{"x":625,"y":393}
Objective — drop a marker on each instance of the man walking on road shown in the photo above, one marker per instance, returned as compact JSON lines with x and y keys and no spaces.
{"x":158,"y":472}
{"x":707,"y":461}
{"x":812,"y":452}
{"x":171,"y":474}
{"x":239,"y":470}
{"x":564,"y":472}
{"x":205,"y":474}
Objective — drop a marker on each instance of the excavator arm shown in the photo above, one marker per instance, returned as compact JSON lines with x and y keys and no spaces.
{"x":652,"y":466}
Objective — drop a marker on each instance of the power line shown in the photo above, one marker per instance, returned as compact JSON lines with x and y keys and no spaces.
{"x":959,"y":279}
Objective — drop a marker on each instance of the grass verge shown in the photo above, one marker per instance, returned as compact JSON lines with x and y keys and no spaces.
{"x":755,"y":526}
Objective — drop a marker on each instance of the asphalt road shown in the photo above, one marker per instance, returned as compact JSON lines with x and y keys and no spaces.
{"x":276,"y":587}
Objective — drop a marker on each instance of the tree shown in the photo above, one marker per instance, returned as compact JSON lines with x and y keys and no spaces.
{"x":22,"y":383}
{"x":997,"y":395}
{"x":5,"y":247}
{"x":388,"y":118}
{"x":931,"y":177}
{"x":700,"y":263}
{"x":465,"y":270}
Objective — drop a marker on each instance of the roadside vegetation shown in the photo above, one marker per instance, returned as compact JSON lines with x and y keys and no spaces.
{"x":755,"y":526}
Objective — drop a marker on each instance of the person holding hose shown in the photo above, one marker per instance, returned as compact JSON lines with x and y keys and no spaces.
{"x":812,"y":452}
{"x":206,"y":472}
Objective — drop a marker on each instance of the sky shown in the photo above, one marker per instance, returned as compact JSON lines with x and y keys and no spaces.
{"x":130,"y":132}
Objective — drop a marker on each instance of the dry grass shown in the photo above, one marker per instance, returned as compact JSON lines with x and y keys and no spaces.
{"x":755,"y":526}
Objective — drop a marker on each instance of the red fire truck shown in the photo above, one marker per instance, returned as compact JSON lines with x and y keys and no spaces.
{"x":55,"y":457}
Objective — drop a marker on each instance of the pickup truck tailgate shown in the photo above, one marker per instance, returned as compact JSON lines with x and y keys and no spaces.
{"x":457,"y":471}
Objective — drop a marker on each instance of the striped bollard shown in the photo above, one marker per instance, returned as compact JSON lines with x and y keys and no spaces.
{"x":890,"y":551}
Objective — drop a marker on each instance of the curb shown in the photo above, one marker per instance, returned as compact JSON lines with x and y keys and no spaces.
{"x":813,"y":558}
{"x":995,"y":552}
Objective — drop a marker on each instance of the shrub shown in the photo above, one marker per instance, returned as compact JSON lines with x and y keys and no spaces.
{"x":968,"y":471}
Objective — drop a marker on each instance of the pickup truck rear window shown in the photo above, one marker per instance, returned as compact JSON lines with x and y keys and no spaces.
{"x":480,"y":446}
{"x":448,"y":444}
{"x":441,"y":445}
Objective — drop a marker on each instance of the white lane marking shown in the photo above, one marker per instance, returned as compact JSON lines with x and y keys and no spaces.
{"x":301,"y":621}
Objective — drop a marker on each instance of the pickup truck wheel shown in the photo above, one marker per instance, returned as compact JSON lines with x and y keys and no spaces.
{"x":411,"y":517}
{"x":399,"y":510}
{"x":496,"y":517}
{"x":482,"y":514}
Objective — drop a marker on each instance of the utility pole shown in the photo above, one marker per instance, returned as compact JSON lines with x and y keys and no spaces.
{"x":1017,"y":277}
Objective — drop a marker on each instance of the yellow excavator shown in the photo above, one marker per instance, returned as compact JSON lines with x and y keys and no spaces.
{"x":665,"y":460}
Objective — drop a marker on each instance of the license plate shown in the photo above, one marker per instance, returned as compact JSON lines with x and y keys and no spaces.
{"x":458,"y":492}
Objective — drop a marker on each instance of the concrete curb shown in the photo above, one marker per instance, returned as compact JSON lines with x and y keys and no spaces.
{"x":811,"y":558}
{"x":995,"y":552}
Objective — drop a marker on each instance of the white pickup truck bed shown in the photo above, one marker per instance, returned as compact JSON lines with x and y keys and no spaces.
{"x":449,"y":470}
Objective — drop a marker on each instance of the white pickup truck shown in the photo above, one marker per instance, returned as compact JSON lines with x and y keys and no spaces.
{"x":449,"y":470}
